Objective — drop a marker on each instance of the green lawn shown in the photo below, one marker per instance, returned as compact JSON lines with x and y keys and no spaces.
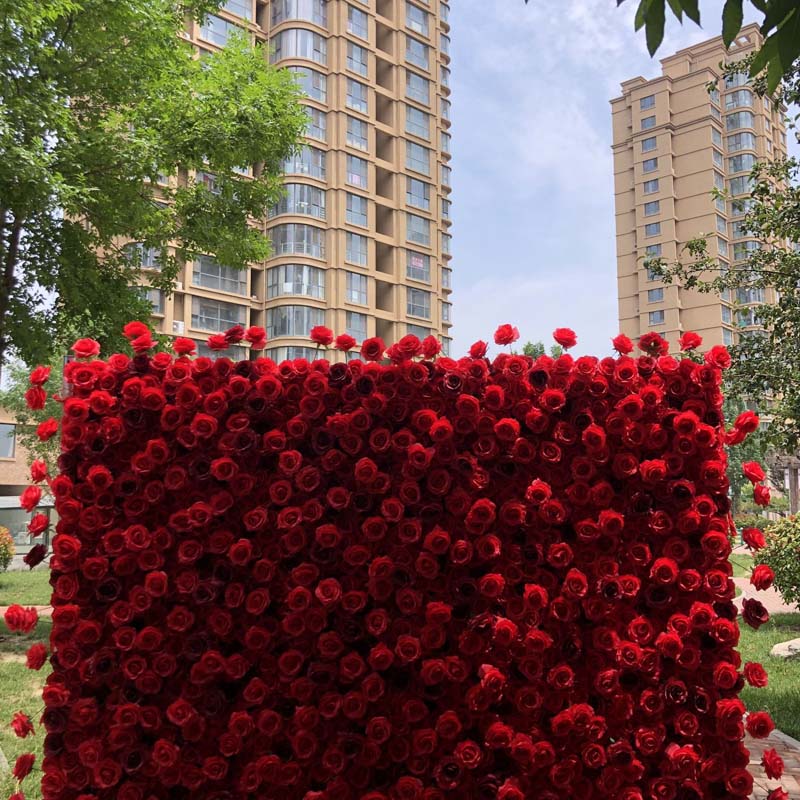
{"x":28,"y":588}
{"x":742,"y":565}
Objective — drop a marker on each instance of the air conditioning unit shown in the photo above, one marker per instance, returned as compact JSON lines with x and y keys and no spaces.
{"x":254,"y":297}
{"x":178,"y":326}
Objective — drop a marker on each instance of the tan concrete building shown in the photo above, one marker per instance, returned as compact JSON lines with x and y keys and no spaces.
{"x":361,"y":241}
{"x":673,"y":143}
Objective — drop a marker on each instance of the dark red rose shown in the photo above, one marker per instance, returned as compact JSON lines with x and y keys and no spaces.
{"x":755,"y":674}
{"x":754,"y":613}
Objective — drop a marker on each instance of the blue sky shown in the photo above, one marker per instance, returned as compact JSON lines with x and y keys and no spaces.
{"x":533,"y":202}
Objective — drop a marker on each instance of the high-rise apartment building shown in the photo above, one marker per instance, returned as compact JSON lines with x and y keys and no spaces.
{"x":674,"y":143}
{"x":361,"y":240}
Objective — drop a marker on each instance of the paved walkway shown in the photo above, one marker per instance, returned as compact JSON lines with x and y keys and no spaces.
{"x":770,"y":598}
{"x":789,"y":751}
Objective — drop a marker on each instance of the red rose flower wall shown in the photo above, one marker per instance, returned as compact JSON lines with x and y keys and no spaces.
{"x":406,"y":577}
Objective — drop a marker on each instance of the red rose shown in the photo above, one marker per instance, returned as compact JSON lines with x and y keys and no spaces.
{"x":36,"y":656}
{"x":772,"y":763}
{"x":778,"y":794}
{"x":39,"y":376}
{"x":38,"y":524}
{"x":506,"y":334}
{"x":321,"y":335}
{"x":718,"y":356}
{"x":46,"y":430}
{"x":345,"y":342}
{"x":690,"y":341}
{"x":753,"y":538}
{"x":35,"y":555}
{"x":761,"y":495}
{"x":30,"y":498}
{"x":20,"y":620}
{"x":565,"y":337}
{"x":762,"y":577}
{"x":622,"y":344}
{"x":24,"y":764}
{"x":183,"y":346}
{"x":373,"y":349}
{"x":653,"y":344}
{"x":759,"y":724}
{"x":35,"y":398}
{"x":86,"y":348}
{"x":755,"y":674}
{"x":747,"y":422}
{"x":478,"y":349}
{"x":21,"y":725}
{"x":753,"y":472}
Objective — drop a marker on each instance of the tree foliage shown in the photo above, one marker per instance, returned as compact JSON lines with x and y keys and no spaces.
{"x":98,"y":100}
{"x":536,"y":349}
{"x":782,"y":553}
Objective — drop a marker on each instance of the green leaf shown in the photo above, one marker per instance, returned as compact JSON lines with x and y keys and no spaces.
{"x":788,"y":35}
{"x":768,"y":51}
{"x":677,"y":9}
{"x":732,"y":17}
{"x":641,"y":14}
{"x":654,"y":30}
{"x":692,"y":10}
{"x":776,"y":13}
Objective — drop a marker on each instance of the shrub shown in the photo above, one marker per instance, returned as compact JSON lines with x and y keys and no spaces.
{"x":6,"y":548}
{"x":782,"y":553}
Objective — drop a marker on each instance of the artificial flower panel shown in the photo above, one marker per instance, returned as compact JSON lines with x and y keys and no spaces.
{"x":416,"y":578}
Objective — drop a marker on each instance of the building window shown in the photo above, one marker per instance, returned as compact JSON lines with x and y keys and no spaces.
{"x":418,"y":230}
{"x":649,"y":144}
{"x":741,"y":119}
{"x":317,"y":124}
{"x":445,"y":106}
{"x":741,"y":141}
{"x":416,"y":19}
{"x":716,"y":137}
{"x":741,"y":206}
{"x":357,"y":23}
{"x":357,"y":171}
{"x":418,"y":194}
{"x":314,"y":84}
{"x":444,"y":44}
{"x":714,"y":96}
{"x":356,"y":96}
{"x":653,"y":251}
{"x":651,"y":208}
{"x":420,"y":331}
{"x":719,"y":203}
{"x":211,"y":275}
{"x":356,"y":325}
{"x":722,"y":226}
{"x":651,"y":187}
{"x":356,"y":249}
{"x":447,"y":244}
{"x":446,"y":345}
{"x":418,"y":158}
{"x":647,"y":102}
{"x":736,"y":79}
{"x":418,"y":88}
{"x":719,"y":181}
{"x":446,"y":206}
{"x":242,"y":8}
{"x":727,"y":336}
{"x":726,"y":314}
{"x":446,"y":175}
{"x":300,"y":198}
{"x":716,"y":156}
{"x":296,"y":239}
{"x":648,"y":122}
{"x":356,"y":210}
{"x":444,"y":76}
{"x":715,"y":112}
{"x":722,"y":246}
{"x":214,"y":315}
{"x":357,"y":133}
{"x":739,"y":229}
{"x":741,"y":163}
{"x":315,"y":11}
{"x":153,"y":296}
{"x":650,"y":165}
{"x":655,"y":295}
{"x":742,"y":250}
{"x":418,"y":266}
{"x":418,"y":303}
{"x":356,"y":288}
{"x":309,"y":161}
{"x":447,"y":312}
{"x":750,"y":295}
{"x":740,"y":185}
{"x":444,"y":12}
{"x":299,"y":43}
{"x":278,"y":354}
{"x":655,"y":318}
{"x":418,"y":122}
{"x":357,"y":59}
{"x":417,"y":53}
{"x":296,"y":279}
{"x":739,"y":99}
{"x":143,"y":257}
{"x":293,"y":320}
{"x":8,"y":440}
{"x":218,"y":31}
{"x":652,"y":229}
{"x":446,"y":140}
{"x":447,"y":278}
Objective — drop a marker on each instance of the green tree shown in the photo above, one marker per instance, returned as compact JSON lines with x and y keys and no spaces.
{"x":536,"y":349}
{"x":780,"y":24}
{"x":98,"y":100}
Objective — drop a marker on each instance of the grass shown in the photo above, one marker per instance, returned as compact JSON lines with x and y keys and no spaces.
{"x":28,"y":588}
{"x":21,"y":690}
{"x":742,"y":565}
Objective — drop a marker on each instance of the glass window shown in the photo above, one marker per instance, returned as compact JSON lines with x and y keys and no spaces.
{"x":741,"y":119}
{"x":418,"y":194}
{"x":750,"y":295}
{"x":309,"y":161}
{"x":356,"y":210}
{"x":722,"y":225}
{"x":214,"y":315}
{"x":293,"y":320}
{"x":278,"y":354}
{"x":356,"y":249}
{"x":719,"y":203}
{"x":740,"y":185}
{"x":653,"y":207}
{"x":739,"y":98}
{"x":722,"y":246}
{"x":418,"y":158}
{"x":716,"y":137}
{"x":418,"y":266}
{"x":736,"y":79}
{"x":727,"y":336}
{"x":719,"y":181}
{"x":294,"y":238}
{"x":742,"y":250}
{"x":446,"y":205}
{"x":653,"y":251}
{"x":447,"y":244}
{"x":739,"y":229}
{"x":418,"y":88}
{"x":357,"y":95}
{"x":444,"y":76}
{"x":8,"y":440}
{"x":652,"y":229}
{"x":741,"y":206}
{"x":315,"y":11}
{"x":446,"y":140}
{"x":447,"y":312}
{"x":649,"y":144}
{"x":715,"y":112}
{"x":356,"y":288}
{"x":211,"y":275}
{"x":420,"y":331}
{"x":741,"y":141}
{"x":357,"y":22}
{"x":650,"y":165}
{"x":217,"y":30}
{"x":444,"y":44}
{"x":357,"y":171}
{"x":418,"y":303}
{"x":357,"y":59}
{"x":655,"y":318}
{"x":647,"y":102}
{"x":208,"y":179}
{"x":741,"y":163}
{"x":726,"y":314}
{"x":651,"y":187}
{"x":416,"y":52}
{"x":317,"y":123}
{"x":153,"y":296}
{"x":242,"y":8}
{"x":314,"y":84}
{"x":655,"y":295}
{"x":418,"y":122}
{"x":447,"y":278}
{"x":300,"y":198}
{"x":357,"y":133}
{"x":416,"y":19}
{"x":714,"y":95}
{"x":300,"y":279}
{"x":299,"y":43}
{"x":648,"y":122}
{"x":143,"y":257}
{"x":716,"y":156}
{"x":418,"y":229}
{"x":445,"y":106}
{"x":446,"y":175}
{"x":356,"y":325}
